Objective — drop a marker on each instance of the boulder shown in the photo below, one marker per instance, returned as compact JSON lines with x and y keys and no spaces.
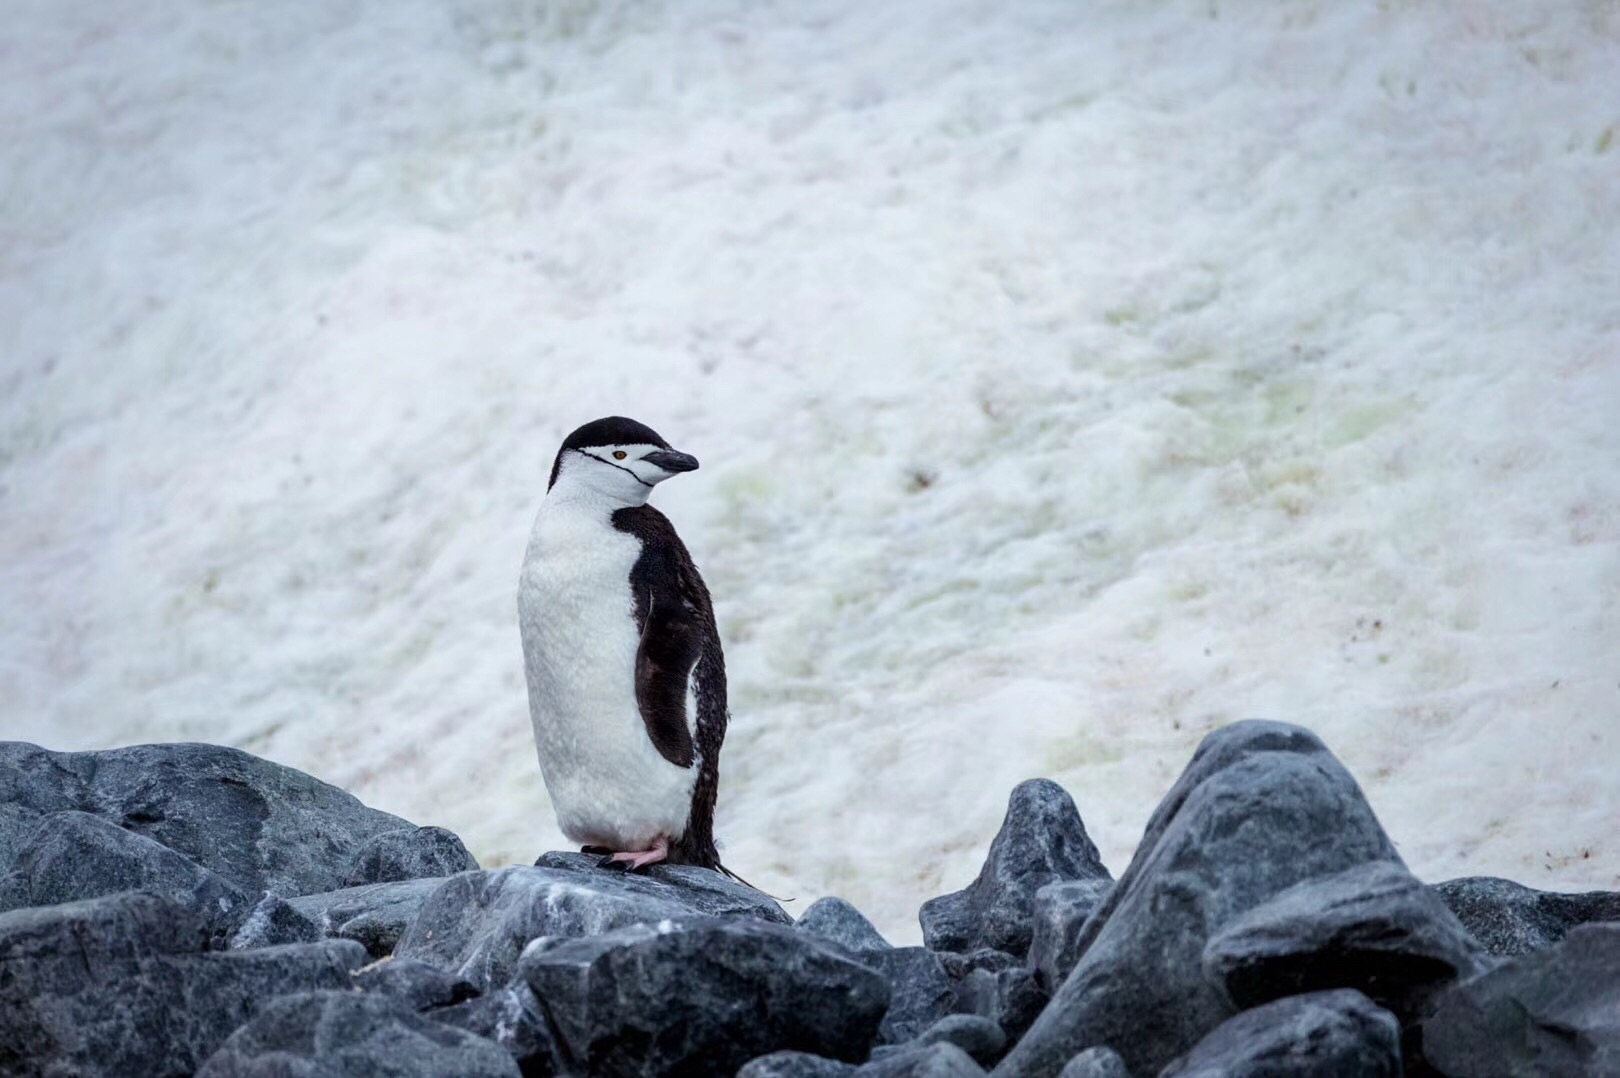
{"x":938,"y":1060}
{"x":477,"y":923}
{"x":920,"y":991}
{"x":1320,"y":1035}
{"x":1042,"y":840}
{"x":795,"y":1065}
{"x":416,"y":984}
{"x":1099,"y":1062}
{"x":838,"y":922}
{"x":273,"y":921}
{"x":1510,"y":919}
{"x":959,"y":966}
{"x":261,"y":826}
{"x":375,"y":916}
{"x":1372,"y":927}
{"x":73,"y":855}
{"x":1261,"y":807}
{"x":1061,"y":910}
{"x":977,"y":1036}
{"x":702,"y":997}
{"x":1012,"y":998}
{"x":1553,"y":1011}
{"x":120,"y":986}
{"x":410,"y":853}
{"x":513,"y":1019}
{"x":352,"y":1035}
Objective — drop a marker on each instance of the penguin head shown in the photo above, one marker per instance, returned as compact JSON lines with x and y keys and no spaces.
{"x":617,"y":458}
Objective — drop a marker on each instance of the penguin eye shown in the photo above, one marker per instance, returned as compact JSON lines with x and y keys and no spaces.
{"x":619,"y":454}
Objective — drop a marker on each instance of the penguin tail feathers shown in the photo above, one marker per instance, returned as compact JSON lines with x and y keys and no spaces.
{"x":730,"y":875}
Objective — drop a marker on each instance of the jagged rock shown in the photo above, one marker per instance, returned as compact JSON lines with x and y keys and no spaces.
{"x":1554,"y":1012}
{"x":1012,"y":998}
{"x":273,"y":922}
{"x":410,"y":853}
{"x":834,"y":919}
{"x":1510,"y":919}
{"x":795,"y":1065}
{"x":977,"y":1036}
{"x":120,"y":986}
{"x":261,"y":826}
{"x":352,"y":1035}
{"x":960,"y":966}
{"x":1372,"y":927}
{"x":375,"y":916}
{"x":1261,"y":807}
{"x":920,"y":991}
{"x":1060,"y":912}
{"x":513,"y":1019}
{"x":703,"y":997}
{"x":419,"y":985}
{"x":477,"y":923}
{"x":1099,"y":1062}
{"x":938,"y":1060}
{"x":1320,"y":1035}
{"x":1042,"y":840}
{"x":74,"y":855}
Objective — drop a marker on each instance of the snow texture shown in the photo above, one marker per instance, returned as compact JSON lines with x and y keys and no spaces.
{"x":1069,"y":379}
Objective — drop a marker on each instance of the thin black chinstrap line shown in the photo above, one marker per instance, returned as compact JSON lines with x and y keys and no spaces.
{"x":621,"y":468}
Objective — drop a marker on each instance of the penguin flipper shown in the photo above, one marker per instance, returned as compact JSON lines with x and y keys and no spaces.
{"x":671,"y":642}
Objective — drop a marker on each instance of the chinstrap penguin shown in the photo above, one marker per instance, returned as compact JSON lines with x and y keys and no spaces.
{"x":627,"y":682}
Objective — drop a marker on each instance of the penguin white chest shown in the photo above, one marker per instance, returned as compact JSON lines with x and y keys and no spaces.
{"x":609,"y":784}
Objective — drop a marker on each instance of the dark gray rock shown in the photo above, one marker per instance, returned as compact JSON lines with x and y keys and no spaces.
{"x":119,"y":986}
{"x":410,"y":853}
{"x":703,"y":997}
{"x":513,"y":1019}
{"x":1261,"y":807}
{"x":261,"y":826}
{"x":1372,"y":927}
{"x":1551,"y":1012}
{"x":977,"y":1036}
{"x":1060,"y":912}
{"x":1099,"y":1062}
{"x":960,"y":965}
{"x":1012,"y":998}
{"x":352,"y":1035}
{"x":920,"y":991}
{"x":835,"y":920}
{"x":1042,"y":840}
{"x":477,"y":923}
{"x":1511,"y":919}
{"x":1321,"y":1035}
{"x":938,"y":1060}
{"x":417,"y":984}
{"x":74,"y":855}
{"x":795,"y":1065}
{"x":375,"y":916}
{"x":272,"y":922}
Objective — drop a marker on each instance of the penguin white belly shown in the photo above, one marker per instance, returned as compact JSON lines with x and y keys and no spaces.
{"x":608,"y":783}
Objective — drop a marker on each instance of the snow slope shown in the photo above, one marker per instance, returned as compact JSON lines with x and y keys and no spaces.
{"x":1069,"y":379}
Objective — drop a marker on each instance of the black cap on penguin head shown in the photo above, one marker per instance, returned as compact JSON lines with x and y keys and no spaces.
{"x":609,"y":430}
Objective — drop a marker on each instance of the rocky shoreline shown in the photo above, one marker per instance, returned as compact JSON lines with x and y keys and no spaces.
{"x":191,"y":909}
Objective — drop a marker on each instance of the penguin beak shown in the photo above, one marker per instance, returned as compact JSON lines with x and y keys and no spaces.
{"x":671,"y":461}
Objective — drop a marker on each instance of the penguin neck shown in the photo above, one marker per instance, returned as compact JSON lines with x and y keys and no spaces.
{"x":580,"y":492}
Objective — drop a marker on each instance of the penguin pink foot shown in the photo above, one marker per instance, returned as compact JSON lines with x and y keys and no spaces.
{"x":634,"y":860}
